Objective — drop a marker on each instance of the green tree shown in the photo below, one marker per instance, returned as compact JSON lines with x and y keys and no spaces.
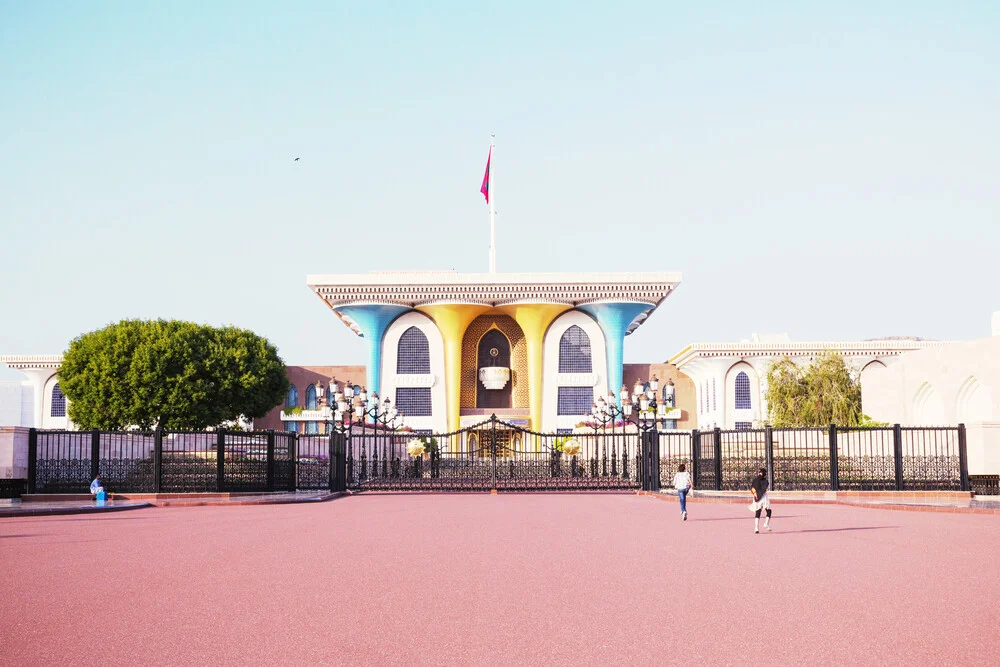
{"x":825,"y":392}
{"x":171,"y":374}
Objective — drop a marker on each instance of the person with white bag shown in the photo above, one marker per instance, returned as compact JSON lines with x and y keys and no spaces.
{"x":760,"y":501}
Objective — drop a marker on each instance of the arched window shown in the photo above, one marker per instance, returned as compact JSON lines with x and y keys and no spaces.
{"x":292,"y":399}
{"x":58,"y":402}
{"x":574,"y":351}
{"x":413,"y":354}
{"x":311,"y":402}
{"x":743,"y":391}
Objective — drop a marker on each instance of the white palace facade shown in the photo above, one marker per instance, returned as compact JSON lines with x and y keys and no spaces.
{"x":730,"y":379}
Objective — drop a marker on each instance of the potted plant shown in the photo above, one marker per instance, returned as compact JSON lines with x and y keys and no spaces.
{"x":415,"y":448}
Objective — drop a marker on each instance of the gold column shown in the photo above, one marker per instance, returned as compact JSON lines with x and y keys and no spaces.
{"x":534,"y":319}
{"x":452,"y":319}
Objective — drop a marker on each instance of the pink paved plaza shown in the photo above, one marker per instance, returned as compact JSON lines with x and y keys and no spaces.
{"x":509,"y":579}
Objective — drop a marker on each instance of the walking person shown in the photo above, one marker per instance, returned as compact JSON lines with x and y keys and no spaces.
{"x":760,"y":500}
{"x":683,"y":484}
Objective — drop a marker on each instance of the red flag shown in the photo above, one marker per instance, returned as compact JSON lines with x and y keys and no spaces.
{"x":486,"y":178}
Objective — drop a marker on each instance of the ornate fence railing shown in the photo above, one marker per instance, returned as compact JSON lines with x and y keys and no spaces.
{"x":161,"y":461}
{"x":499,"y":456}
{"x":897,"y":458}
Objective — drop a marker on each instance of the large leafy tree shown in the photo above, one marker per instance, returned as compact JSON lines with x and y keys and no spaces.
{"x":171,"y":374}
{"x":825,"y":392}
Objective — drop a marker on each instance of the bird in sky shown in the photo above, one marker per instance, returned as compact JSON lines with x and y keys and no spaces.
{"x":296,"y":160}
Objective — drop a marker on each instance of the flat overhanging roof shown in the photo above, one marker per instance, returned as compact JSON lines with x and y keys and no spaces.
{"x":23,"y":362}
{"x":750,"y":349}
{"x":420,"y":288}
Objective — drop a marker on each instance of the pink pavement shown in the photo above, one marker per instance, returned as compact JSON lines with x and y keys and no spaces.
{"x":552,"y":579}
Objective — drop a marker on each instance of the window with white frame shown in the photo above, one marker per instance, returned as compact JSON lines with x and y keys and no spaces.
{"x":413,"y":354}
{"x":574,"y":352}
{"x":575,"y":401}
{"x":414,"y":401}
{"x":58,"y":402}
{"x":742,"y":401}
{"x":743,"y":426}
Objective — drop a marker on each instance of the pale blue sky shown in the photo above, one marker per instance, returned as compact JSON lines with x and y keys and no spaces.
{"x":829,"y":170}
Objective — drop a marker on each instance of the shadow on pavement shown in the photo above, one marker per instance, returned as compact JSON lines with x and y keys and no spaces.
{"x":832,"y":530}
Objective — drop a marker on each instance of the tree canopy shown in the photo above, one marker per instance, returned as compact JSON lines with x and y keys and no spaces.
{"x":825,"y":392}
{"x":172,"y":374}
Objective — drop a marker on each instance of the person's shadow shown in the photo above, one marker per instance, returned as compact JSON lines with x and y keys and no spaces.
{"x":833,"y":530}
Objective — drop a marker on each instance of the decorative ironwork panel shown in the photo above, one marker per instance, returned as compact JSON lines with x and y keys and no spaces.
{"x":675,"y":450}
{"x":930,"y":459}
{"x":313,"y":461}
{"x":865,"y":459}
{"x":801,"y":459}
{"x":189,"y":462}
{"x":744,"y":453}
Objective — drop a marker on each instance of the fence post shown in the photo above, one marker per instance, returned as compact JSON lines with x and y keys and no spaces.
{"x":270,"y":460}
{"x":32,"y":458}
{"x":963,"y":458}
{"x":157,"y":459}
{"x":769,"y":455}
{"x":695,"y":455}
{"x":220,"y":459}
{"x":718,"y":459}
{"x":95,"y":453}
{"x":655,"y":461}
{"x":293,"y":456}
{"x":333,"y":461}
{"x":834,"y":462}
{"x":341,"y":451}
{"x":897,"y":454}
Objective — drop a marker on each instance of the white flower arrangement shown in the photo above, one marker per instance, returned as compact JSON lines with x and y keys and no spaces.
{"x":571,"y":447}
{"x":415,"y":447}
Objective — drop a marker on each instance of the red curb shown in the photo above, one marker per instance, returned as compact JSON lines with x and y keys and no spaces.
{"x":803,"y":501}
{"x":209,"y":502}
{"x":54,"y":511}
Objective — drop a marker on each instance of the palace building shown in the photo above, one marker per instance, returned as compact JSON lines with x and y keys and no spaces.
{"x":536,"y":349}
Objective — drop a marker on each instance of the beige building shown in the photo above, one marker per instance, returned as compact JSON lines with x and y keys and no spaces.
{"x":949,"y":384}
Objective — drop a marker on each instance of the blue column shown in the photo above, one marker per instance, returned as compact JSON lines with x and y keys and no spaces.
{"x":373,"y":320}
{"x":614,"y":319}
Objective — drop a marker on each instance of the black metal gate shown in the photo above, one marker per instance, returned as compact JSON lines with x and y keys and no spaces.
{"x":495,"y":456}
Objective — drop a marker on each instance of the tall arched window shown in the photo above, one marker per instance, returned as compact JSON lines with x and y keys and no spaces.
{"x":311,"y":403}
{"x":743,"y":391}
{"x":413,"y":354}
{"x":574,"y":351}
{"x":58,"y":402}
{"x":292,"y":399}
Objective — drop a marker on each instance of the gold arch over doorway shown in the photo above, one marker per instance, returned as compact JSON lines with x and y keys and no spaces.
{"x":520,"y":397}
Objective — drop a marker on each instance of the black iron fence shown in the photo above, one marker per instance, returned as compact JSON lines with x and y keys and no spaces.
{"x":495,"y":455}
{"x":161,"y":461}
{"x":833,"y":458}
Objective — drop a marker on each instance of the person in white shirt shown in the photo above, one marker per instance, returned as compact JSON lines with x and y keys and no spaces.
{"x":96,"y":486}
{"x":683,"y":484}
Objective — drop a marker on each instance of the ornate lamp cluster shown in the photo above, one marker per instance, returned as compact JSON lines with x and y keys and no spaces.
{"x":641,"y":402}
{"x":350,"y":406}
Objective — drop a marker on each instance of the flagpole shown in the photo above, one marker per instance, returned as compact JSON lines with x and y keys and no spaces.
{"x":493,"y":238}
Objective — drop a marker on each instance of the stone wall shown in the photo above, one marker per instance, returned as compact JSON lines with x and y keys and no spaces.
{"x":13,"y":452}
